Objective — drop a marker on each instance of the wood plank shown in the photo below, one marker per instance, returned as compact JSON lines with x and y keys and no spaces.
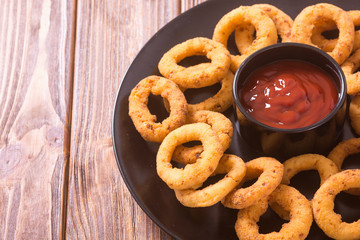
{"x":187,"y":4}
{"x":109,"y":35}
{"x":36,"y":39}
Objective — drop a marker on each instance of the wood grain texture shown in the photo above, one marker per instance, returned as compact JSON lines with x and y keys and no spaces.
{"x":36,"y":39}
{"x":109,"y":34}
{"x":187,"y":4}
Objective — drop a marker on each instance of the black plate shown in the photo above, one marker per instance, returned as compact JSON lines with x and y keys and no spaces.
{"x":136,"y":158}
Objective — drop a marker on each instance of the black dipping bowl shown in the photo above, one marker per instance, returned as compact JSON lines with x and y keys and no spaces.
{"x":319,"y":137}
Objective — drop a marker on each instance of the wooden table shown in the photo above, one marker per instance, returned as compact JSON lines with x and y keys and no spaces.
{"x":62,"y":62}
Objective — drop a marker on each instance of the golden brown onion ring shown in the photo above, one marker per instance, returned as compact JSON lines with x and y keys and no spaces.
{"x":294,"y":165}
{"x":341,"y":152}
{"x":218,"y":122}
{"x":235,"y":169}
{"x":352,"y":78}
{"x":291,"y":201}
{"x":200,"y":75}
{"x":143,"y":120}
{"x":265,"y":30}
{"x":192,"y":174}
{"x":220,"y":102}
{"x":305,"y":22}
{"x":283,"y":23}
{"x":328,"y":45}
{"x":323,"y":205}
{"x":269,"y":172}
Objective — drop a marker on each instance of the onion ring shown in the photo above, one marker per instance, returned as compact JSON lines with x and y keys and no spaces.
{"x":305,"y":22}
{"x":235,"y":169}
{"x":328,"y":45}
{"x":324,"y":166}
{"x":323,"y":205}
{"x":244,"y":37}
{"x":265,"y":29}
{"x":352,"y":78}
{"x":291,"y":201}
{"x":355,"y":15}
{"x":269,"y":172}
{"x":220,"y":102}
{"x":283,"y":23}
{"x":342,"y":151}
{"x":294,"y":165}
{"x":218,"y":122}
{"x":354,"y":114}
{"x":200,"y":75}
{"x":145,"y":123}
{"x":192,"y":174}
{"x":318,"y":39}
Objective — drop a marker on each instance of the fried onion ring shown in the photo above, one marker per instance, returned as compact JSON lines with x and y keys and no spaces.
{"x":323,"y":205}
{"x":304,"y":23}
{"x":318,"y":39}
{"x":220,"y":102}
{"x":269,"y":172}
{"x":354,"y":114}
{"x":192,"y":174}
{"x":145,"y":123}
{"x":341,"y":152}
{"x":324,"y":166}
{"x":328,"y":45}
{"x":291,"y":201}
{"x":283,"y":23}
{"x":294,"y":165}
{"x":235,"y":169}
{"x":352,"y":78}
{"x":355,"y":15}
{"x":265,"y":29}
{"x":218,"y":122}
{"x":244,"y":37}
{"x":200,"y":75}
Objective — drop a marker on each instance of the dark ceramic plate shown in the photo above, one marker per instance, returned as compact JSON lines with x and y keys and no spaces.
{"x":136,"y":158}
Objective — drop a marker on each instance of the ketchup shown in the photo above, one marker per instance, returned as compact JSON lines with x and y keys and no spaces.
{"x":289,"y":94}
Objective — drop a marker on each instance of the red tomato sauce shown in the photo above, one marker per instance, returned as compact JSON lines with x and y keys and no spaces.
{"x":289,"y":94}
